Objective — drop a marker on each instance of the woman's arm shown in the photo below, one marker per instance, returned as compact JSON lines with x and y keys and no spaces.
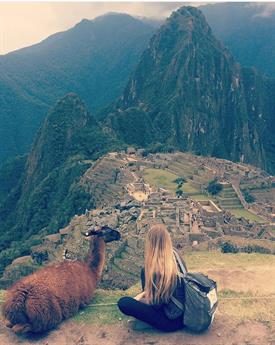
{"x":142,"y":278}
{"x":141,"y":295}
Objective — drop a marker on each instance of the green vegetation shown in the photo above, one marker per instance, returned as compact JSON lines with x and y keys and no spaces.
{"x":180,"y":181}
{"x":189,"y":188}
{"x":246,"y":214}
{"x":214,"y":187}
{"x":154,"y":112}
{"x":214,"y":262}
{"x":79,"y":56}
{"x":10,"y":173}
{"x":158,"y":147}
{"x":103,"y":309}
{"x":229,"y":247}
{"x":52,"y":194}
{"x":248,"y":197}
{"x":161,"y":178}
{"x":165,"y":179}
{"x":203,"y":197}
{"x":179,"y":193}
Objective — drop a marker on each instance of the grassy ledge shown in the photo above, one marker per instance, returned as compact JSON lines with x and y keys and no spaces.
{"x":244,"y":285}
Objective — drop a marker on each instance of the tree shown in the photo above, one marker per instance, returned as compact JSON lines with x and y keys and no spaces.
{"x":179,"y":193}
{"x":248,"y":197}
{"x":214,"y":187}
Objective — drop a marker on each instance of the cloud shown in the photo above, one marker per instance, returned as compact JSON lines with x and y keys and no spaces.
{"x":266,"y":10}
{"x":25,"y":23}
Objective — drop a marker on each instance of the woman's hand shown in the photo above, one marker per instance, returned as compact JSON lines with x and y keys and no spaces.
{"x":140,"y":296}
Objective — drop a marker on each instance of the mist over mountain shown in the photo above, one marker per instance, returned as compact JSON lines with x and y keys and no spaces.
{"x":247,"y":29}
{"x":93,"y":59}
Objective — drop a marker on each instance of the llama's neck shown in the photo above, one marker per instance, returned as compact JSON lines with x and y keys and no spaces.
{"x":96,"y":256}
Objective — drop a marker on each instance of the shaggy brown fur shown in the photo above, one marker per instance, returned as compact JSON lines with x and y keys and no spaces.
{"x":43,"y":299}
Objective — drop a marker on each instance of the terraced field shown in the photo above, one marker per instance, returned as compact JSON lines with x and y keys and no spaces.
{"x":246,"y":214}
{"x":106,"y":181}
{"x":161,"y":178}
{"x":228,"y":199}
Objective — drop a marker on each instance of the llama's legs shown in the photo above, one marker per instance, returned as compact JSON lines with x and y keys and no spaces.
{"x":21,"y":329}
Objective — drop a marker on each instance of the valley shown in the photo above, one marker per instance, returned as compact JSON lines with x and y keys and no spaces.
{"x":157,"y":125}
{"x":131,"y":192}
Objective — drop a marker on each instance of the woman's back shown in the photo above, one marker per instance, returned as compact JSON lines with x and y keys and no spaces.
{"x":160,"y":281}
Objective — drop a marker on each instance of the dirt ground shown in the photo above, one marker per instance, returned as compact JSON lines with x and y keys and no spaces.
{"x":223,"y":332}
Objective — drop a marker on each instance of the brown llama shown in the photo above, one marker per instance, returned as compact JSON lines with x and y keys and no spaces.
{"x":40,"y":301}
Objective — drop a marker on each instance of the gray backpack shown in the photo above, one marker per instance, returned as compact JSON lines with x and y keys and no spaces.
{"x":201,"y":299}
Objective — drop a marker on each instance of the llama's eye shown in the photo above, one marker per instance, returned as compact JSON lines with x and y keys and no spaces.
{"x":87,"y":234}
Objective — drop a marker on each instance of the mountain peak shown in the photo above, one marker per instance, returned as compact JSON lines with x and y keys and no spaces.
{"x":189,"y":18}
{"x":188,"y":91}
{"x":57,"y":137}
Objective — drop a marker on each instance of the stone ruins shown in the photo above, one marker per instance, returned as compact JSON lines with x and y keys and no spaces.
{"x":125,"y":200}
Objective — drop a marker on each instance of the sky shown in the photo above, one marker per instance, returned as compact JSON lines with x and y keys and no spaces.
{"x":25,"y":23}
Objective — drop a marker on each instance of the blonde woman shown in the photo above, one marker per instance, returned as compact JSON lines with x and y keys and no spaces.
{"x":160,"y":281}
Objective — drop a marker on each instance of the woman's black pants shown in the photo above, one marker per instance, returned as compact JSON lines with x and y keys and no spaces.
{"x":156,"y":317}
{"x":149,"y":314}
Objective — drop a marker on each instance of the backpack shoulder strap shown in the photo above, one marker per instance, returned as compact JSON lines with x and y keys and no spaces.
{"x":180,"y":263}
{"x":177,"y":303}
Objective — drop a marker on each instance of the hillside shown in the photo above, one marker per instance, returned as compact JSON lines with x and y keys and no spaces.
{"x":129,"y":192}
{"x":93,"y":59}
{"x":248,"y":30}
{"x":188,"y":92}
{"x":47,"y":193}
{"x":245,"y":313}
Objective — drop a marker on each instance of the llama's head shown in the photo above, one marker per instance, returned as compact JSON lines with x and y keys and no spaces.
{"x":108,"y":234}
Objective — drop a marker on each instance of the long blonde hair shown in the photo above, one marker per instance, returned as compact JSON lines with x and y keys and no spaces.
{"x":160,"y":265}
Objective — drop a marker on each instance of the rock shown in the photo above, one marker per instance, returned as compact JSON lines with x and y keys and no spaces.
{"x":65,"y":231}
{"x":39,"y":254}
{"x":132,"y":242}
{"x":22,"y":260}
{"x":54,"y":239}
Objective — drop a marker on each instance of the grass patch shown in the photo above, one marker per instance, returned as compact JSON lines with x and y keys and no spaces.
{"x":252,"y":309}
{"x":237,"y":304}
{"x":258,"y":309}
{"x":203,"y":197}
{"x":189,"y":188}
{"x":161,"y":178}
{"x":165,"y":179}
{"x":215,"y":259}
{"x":246,"y":214}
{"x":106,"y":314}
